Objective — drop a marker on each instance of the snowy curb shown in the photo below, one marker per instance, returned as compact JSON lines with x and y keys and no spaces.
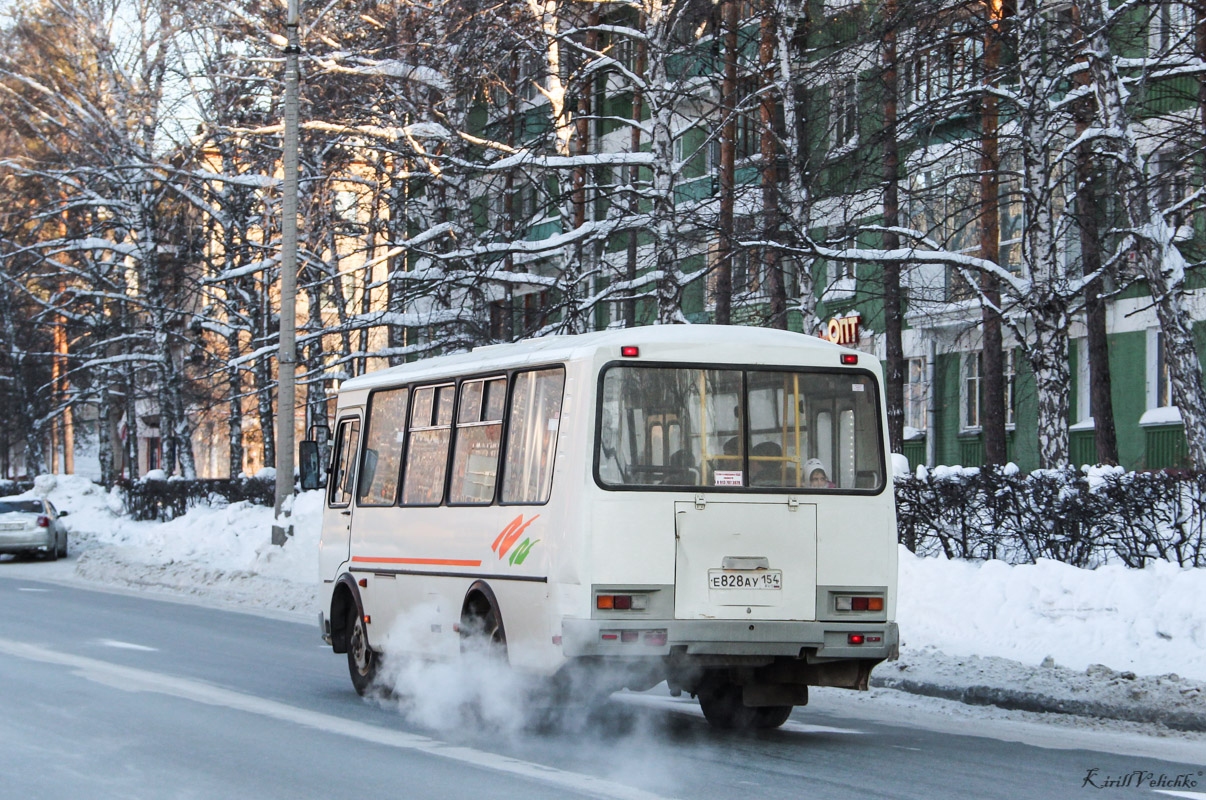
{"x":225,"y":588}
{"x":1168,"y":700}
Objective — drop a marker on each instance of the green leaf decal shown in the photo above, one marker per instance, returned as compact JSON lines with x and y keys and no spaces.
{"x":522,"y":551}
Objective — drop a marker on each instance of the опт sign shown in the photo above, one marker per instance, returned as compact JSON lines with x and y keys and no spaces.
{"x":842,"y":330}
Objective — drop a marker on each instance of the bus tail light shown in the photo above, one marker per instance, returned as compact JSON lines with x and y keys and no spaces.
{"x":629,"y":636}
{"x":845,"y":602}
{"x":656,"y":638}
{"x":622,"y":602}
{"x":855,"y":638}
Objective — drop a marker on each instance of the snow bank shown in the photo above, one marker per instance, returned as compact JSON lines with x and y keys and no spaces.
{"x":1150,"y":621}
{"x":223,"y":552}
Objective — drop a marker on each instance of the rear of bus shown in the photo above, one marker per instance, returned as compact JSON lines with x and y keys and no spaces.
{"x":742,"y":527}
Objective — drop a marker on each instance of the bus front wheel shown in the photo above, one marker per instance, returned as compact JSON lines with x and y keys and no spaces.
{"x":362,"y":659}
{"x":723,"y":708}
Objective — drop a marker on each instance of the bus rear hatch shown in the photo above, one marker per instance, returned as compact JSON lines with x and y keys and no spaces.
{"x":745,"y":560}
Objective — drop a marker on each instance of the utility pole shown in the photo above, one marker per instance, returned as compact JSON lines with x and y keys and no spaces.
{"x":287,"y":360}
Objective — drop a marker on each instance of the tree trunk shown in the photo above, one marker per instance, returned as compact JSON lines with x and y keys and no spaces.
{"x":771,"y":222}
{"x":893,"y":345}
{"x":993,"y":422}
{"x":104,"y":436}
{"x":634,"y":175}
{"x":726,"y":171}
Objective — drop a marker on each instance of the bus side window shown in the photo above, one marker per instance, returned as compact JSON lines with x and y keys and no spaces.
{"x":478,"y":432}
{"x":427,"y":453}
{"x":532,"y":436}
{"x":382,"y":460}
{"x":345,"y":454}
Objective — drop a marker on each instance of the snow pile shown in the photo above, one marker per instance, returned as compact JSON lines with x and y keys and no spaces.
{"x":221,"y":551}
{"x":1149,"y":621}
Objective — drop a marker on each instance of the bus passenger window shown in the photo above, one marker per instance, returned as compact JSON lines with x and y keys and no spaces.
{"x":478,"y":432}
{"x":427,"y":455}
{"x":345,"y":455}
{"x":382,"y":462}
{"x":532,"y":436}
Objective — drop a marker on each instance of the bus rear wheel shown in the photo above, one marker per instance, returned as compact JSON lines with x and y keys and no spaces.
{"x":723,"y":708}
{"x":482,"y":629}
{"x":362,"y":659}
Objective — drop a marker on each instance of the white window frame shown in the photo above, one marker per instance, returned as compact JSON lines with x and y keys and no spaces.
{"x":1170,"y":29}
{"x":1159,"y":387}
{"x":968,"y":383}
{"x":843,"y":119}
{"x":917,"y":394}
{"x":1084,"y":408}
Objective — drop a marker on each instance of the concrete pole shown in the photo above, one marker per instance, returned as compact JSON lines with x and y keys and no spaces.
{"x":287,"y":360}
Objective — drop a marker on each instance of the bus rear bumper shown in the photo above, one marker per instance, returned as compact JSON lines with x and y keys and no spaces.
{"x":814,"y":641}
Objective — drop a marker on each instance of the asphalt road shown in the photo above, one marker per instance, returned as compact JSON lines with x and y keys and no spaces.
{"x":111,"y":695}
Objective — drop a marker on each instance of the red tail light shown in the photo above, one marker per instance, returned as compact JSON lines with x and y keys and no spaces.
{"x":43,"y":522}
{"x":855,"y":638}
{"x":849,"y":358}
{"x":630,"y":352}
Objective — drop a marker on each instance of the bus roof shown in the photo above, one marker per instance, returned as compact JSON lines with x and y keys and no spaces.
{"x":721,"y":344}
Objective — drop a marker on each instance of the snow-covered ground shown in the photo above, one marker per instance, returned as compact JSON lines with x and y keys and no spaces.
{"x":1087,"y":639}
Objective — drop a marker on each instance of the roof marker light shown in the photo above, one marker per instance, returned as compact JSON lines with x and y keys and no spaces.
{"x":630,"y":351}
{"x":849,"y":358}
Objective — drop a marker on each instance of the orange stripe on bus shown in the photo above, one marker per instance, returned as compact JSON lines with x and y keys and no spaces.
{"x":435,"y":562}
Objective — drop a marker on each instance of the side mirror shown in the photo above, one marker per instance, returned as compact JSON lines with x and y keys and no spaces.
{"x":308,"y":464}
{"x":62,"y":513}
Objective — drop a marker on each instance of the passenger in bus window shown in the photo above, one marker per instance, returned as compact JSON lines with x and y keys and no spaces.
{"x":817,"y":477}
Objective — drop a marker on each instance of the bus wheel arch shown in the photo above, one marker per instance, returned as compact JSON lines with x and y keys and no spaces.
{"x":344,"y":599}
{"x":481,"y":616}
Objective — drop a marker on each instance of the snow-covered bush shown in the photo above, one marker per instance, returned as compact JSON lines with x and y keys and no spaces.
{"x":165,"y":500}
{"x":1082,"y":517}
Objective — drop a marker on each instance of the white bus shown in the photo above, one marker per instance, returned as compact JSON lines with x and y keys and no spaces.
{"x":709,"y":506}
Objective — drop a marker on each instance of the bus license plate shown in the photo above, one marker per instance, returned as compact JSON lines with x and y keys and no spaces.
{"x":745,"y":579}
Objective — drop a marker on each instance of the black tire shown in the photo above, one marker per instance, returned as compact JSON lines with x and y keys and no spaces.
{"x":362,"y":659}
{"x":482,"y":629}
{"x":723,"y":708}
{"x":63,"y":549}
{"x":52,"y":554}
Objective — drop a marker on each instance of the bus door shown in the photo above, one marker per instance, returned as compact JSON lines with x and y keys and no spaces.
{"x":333,"y":548}
{"x":745,"y":560}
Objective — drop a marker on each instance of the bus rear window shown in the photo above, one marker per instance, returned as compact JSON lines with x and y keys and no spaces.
{"x":754,"y":429}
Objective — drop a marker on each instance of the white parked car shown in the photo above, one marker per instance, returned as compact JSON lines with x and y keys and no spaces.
{"x":32,"y":527}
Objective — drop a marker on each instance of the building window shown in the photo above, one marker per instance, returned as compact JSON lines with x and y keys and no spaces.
{"x":1084,"y":377}
{"x":1159,"y":384}
{"x":1171,"y":28}
{"x":1010,"y":370}
{"x":844,"y":113}
{"x":916,"y":398}
{"x":969,"y":394}
{"x":841,"y":272}
{"x":533,"y":76}
{"x":153,"y":453}
{"x":1172,"y":185}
